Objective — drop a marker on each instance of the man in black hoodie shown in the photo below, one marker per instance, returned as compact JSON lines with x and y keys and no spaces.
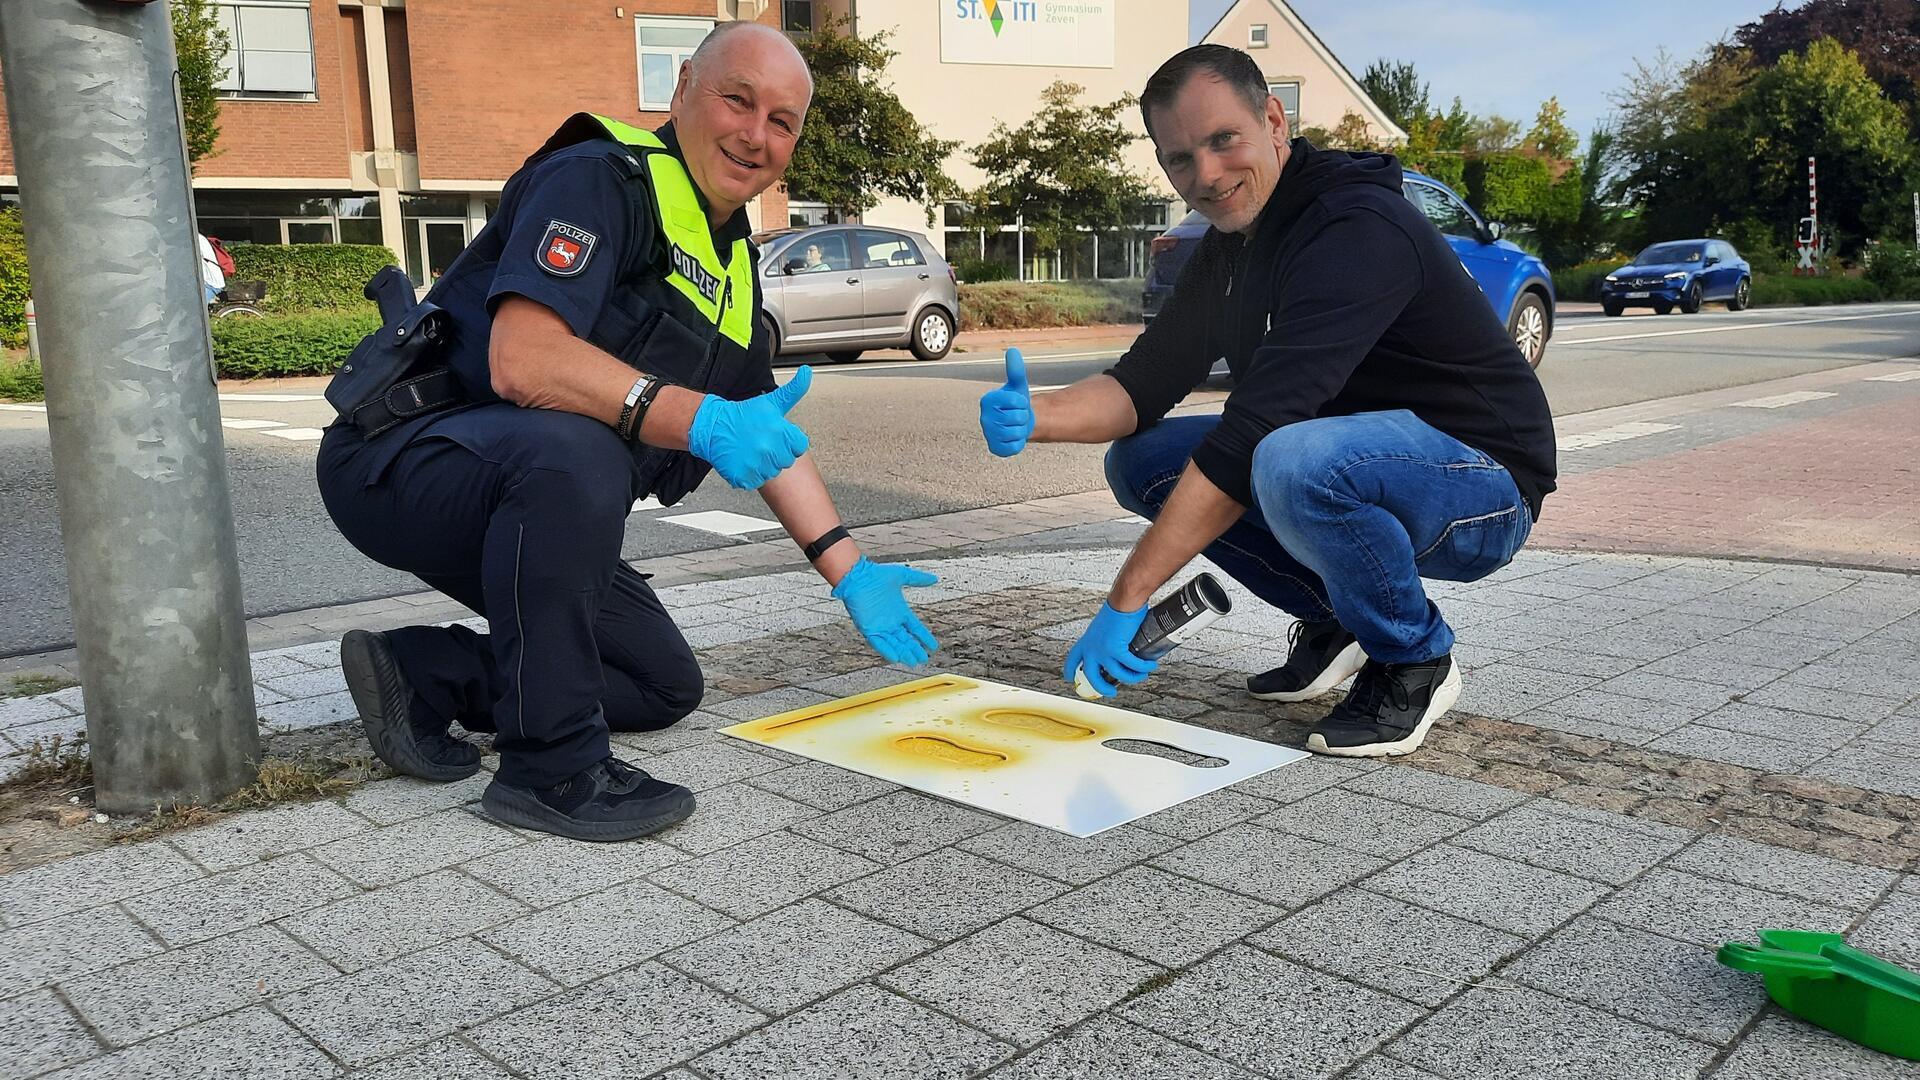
{"x":1383,"y":427}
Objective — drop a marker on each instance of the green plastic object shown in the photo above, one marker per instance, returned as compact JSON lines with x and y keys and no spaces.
{"x":1825,"y":981}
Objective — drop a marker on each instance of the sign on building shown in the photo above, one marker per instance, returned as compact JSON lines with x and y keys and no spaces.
{"x":1037,"y":33}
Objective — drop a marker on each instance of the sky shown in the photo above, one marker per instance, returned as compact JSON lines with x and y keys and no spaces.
{"x":1507,"y":56}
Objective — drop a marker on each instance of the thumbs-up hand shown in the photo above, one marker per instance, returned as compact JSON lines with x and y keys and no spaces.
{"x":749,"y":442}
{"x":1006,"y":414}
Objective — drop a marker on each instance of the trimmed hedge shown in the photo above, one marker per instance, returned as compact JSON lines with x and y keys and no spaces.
{"x":279,"y":345}
{"x":1775,"y":289}
{"x":311,"y":277}
{"x":13,"y":279}
{"x":1033,"y":305}
{"x":977,"y":271}
{"x":1582,"y":281}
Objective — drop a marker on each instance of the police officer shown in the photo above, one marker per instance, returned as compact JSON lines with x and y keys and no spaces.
{"x":603,"y":343}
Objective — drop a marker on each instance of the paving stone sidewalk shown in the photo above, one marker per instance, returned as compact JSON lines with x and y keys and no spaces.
{"x":1652,"y":755}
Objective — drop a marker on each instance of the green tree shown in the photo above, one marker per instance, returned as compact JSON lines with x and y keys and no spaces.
{"x":1397,"y":89}
{"x":1550,"y":134}
{"x":1061,"y":170}
{"x":1352,"y":133}
{"x":1595,"y":228}
{"x":1822,"y":104}
{"x":859,"y":142}
{"x":1885,"y":34}
{"x":201,"y":48}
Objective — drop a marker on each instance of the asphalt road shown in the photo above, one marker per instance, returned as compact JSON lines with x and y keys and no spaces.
{"x":895,"y":439}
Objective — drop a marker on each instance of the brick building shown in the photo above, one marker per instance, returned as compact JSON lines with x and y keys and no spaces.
{"x":398,"y":121}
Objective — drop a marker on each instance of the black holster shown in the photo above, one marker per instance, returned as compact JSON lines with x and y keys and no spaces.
{"x":394,"y":373}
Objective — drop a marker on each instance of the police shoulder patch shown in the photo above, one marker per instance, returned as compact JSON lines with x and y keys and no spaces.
{"x":565,"y":248}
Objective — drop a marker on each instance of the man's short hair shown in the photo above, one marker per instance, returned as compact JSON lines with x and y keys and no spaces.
{"x":1229,"y":65}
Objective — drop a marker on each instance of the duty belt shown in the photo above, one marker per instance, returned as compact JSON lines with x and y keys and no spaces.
{"x":404,"y":400}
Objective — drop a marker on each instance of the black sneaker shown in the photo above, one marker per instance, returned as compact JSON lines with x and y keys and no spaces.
{"x":1389,"y":710}
{"x":383,"y":697}
{"x":610,"y":800}
{"x":1322,"y":656}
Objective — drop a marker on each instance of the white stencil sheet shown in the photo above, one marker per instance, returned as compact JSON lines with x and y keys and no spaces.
{"x":1058,"y":762}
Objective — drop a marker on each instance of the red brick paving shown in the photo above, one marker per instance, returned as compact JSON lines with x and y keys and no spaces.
{"x":1840,"y":489}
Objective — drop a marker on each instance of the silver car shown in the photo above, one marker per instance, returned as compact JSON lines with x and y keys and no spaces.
{"x":843,"y":289}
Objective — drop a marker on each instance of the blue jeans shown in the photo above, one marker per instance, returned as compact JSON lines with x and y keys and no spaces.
{"x":1349,"y":513}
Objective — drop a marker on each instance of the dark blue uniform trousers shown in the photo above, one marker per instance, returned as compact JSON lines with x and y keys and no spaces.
{"x":518,"y":514}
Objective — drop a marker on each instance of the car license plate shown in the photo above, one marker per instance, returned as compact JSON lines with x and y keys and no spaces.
{"x":1638,"y":295}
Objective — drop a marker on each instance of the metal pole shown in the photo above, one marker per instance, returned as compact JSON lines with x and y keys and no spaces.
{"x":138,"y":459}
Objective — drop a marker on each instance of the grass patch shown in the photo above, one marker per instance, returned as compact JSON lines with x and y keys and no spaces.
{"x":32,"y":684}
{"x":20,"y":379}
{"x":302,"y":778}
{"x":55,"y":764}
{"x":1034,"y":305}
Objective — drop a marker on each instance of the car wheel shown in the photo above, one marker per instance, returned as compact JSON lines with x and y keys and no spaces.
{"x":772,"y":330}
{"x":1742,"y":296}
{"x":1690,"y":303}
{"x":932,"y":334}
{"x":844,"y":357}
{"x":1663,"y":309}
{"x":1529,"y":327}
{"x":1611,"y":308}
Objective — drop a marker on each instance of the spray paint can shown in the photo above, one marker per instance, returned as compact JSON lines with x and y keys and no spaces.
{"x":1187,"y":611}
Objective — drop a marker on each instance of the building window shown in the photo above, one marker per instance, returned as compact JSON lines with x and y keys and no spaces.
{"x":664,"y":45}
{"x":805,"y":215}
{"x":271,"y":51}
{"x":1289,"y":95}
{"x":796,"y":16}
{"x":1257,"y":36}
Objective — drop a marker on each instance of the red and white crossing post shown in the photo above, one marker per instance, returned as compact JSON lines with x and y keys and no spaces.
{"x":1808,"y":238}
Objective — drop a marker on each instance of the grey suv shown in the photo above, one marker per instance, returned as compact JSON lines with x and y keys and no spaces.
{"x":843,"y":289}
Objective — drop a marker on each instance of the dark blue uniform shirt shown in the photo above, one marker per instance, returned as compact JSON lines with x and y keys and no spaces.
{"x":562,"y":233}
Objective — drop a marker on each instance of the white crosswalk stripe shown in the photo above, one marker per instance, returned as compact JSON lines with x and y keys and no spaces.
{"x":1899,"y":376}
{"x":1781,"y":401}
{"x":242,"y":423}
{"x":1587,"y":440}
{"x":297,"y":434}
{"x":272,"y":397}
{"x":723,"y":522}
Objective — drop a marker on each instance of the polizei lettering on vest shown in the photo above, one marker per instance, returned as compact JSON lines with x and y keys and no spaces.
{"x":689,"y":267}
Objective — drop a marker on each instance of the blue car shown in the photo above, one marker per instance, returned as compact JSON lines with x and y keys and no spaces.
{"x":1515,"y":283}
{"x":1680,"y":274}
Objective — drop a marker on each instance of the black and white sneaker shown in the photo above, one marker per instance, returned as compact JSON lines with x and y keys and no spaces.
{"x":1322,"y":655}
{"x":1389,"y":709}
{"x":607,"y":801}
{"x":416,"y":746}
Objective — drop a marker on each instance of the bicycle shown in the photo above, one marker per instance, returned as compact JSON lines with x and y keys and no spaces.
{"x":238,"y":299}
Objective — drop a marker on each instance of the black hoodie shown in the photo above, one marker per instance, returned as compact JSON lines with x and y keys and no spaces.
{"x":1346,"y":300}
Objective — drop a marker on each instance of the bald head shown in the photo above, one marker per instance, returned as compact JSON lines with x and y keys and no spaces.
{"x":730,"y":43}
{"x":737,"y":109}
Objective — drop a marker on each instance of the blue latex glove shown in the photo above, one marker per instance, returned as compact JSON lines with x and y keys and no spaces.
{"x":1006,"y":414}
{"x":875,"y":597}
{"x":749,"y":442}
{"x":1103,"y":654}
